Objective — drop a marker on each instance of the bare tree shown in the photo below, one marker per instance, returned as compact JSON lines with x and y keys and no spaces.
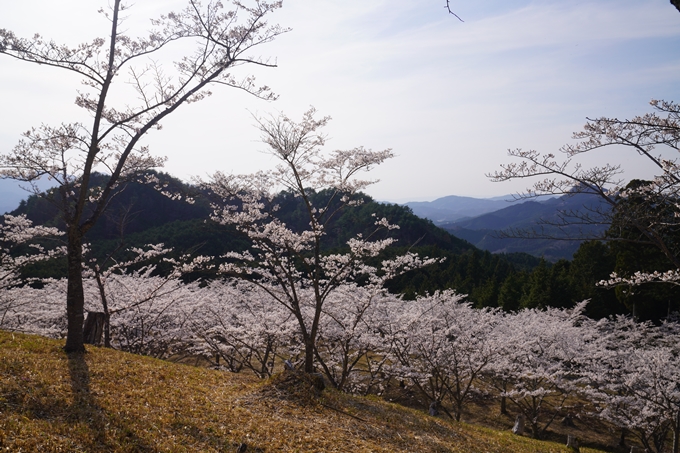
{"x":69,"y":153}
{"x":649,"y":209}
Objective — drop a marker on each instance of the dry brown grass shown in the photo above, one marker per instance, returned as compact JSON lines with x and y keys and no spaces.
{"x":108,"y":401}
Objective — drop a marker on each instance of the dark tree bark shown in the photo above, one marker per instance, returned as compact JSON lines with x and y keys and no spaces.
{"x":448,"y":8}
{"x":75,"y":296}
{"x":94,"y":327}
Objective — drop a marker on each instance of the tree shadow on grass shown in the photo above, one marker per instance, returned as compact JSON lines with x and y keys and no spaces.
{"x":86,"y":410}
{"x":84,"y":407}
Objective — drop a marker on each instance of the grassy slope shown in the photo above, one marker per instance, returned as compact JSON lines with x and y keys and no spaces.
{"x":110,"y":401}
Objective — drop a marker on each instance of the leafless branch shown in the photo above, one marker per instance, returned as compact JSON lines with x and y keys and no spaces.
{"x":448,"y":8}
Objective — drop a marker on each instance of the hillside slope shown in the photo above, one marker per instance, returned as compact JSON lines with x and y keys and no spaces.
{"x":144,"y":215}
{"x":108,"y":401}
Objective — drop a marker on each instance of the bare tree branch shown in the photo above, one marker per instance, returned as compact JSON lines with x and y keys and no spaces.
{"x":448,"y":8}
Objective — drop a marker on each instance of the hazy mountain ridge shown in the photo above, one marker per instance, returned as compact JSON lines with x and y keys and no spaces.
{"x":12,"y":193}
{"x":455,"y":208}
{"x":482,"y":231}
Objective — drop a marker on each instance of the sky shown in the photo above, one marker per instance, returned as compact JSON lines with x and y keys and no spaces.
{"x":448,"y":97}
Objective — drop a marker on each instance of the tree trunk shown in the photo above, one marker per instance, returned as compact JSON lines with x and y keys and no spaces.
{"x":105,"y":306}
{"x":676,"y":432}
{"x":572,"y":443}
{"x":107,"y":330}
{"x":519,"y":425}
{"x":459,"y":409}
{"x":94,"y":327}
{"x":309,"y":355}
{"x":75,"y":297}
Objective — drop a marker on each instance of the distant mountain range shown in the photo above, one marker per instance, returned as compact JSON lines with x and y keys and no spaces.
{"x":479,"y":220}
{"x":149,"y":217}
{"x":454,"y":208}
{"x":476,"y":220}
{"x":11,"y":193}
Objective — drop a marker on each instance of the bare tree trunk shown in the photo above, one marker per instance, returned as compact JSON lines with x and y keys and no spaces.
{"x":572,"y":443}
{"x":676,"y":425}
{"x":519,"y":425}
{"x":107,"y":330}
{"x":75,"y":296}
{"x":622,"y":439}
{"x":94,"y":327}
{"x":105,"y":306}
{"x":309,"y":355}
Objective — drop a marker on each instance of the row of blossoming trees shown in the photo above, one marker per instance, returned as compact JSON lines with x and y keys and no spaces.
{"x":286,"y":299}
{"x":368,"y":340}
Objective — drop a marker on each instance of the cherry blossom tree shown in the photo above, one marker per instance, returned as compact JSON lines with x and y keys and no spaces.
{"x":67,"y":154}
{"x":537,"y":365}
{"x":155,"y":326}
{"x":142,"y":264}
{"x":235,"y":327}
{"x":18,"y":247}
{"x":347,"y":350}
{"x":648,"y":207}
{"x":37,"y":311}
{"x":441,"y":345}
{"x":285,"y":261}
{"x":640,"y":214}
{"x":634,"y":379}
{"x":628,"y":371}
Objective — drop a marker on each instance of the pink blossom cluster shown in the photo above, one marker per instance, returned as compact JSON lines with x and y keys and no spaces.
{"x":17,"y":231}
{"x":638,"y":278}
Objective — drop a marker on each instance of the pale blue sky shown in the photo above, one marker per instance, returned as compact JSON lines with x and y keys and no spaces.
{"x":448,"y":97}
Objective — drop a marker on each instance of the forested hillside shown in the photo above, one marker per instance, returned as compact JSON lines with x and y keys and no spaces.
{"x":271,"y":305}
{"x":140,"y":215}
